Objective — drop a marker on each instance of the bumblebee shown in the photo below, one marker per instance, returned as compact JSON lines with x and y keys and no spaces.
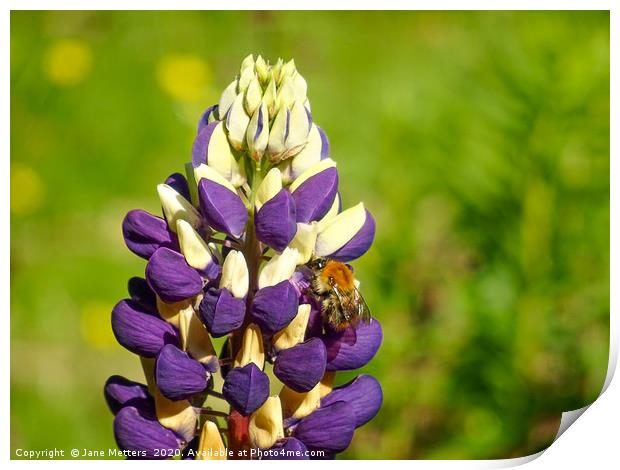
{"x":334,"y":285}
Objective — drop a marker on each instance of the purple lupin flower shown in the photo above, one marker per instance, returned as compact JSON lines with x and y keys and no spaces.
{"x":229,"y":258}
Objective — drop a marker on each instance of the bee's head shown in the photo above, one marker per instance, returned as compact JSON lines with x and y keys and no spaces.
{"x":317,"y":263}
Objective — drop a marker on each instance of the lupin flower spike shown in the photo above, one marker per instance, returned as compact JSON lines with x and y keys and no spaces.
{"x":231,"y":258}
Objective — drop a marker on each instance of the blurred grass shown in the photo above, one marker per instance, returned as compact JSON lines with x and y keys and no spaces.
{"x":480,"y":141}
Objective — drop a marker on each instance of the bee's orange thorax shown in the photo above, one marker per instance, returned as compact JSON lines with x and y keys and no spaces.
{"x":340,"y":273}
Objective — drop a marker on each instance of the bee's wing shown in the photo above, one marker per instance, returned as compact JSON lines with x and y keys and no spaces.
{"x":352,"y":304}
{"x":362,"y":307}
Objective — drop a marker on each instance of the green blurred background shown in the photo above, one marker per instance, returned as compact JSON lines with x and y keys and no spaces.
{"x":480,"y":141}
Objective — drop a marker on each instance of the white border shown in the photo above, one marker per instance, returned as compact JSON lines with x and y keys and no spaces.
{"x":591,"y":442}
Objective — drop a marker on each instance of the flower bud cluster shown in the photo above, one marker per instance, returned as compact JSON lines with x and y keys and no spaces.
{"x":265,"y":110}
{"x":228,"y":260}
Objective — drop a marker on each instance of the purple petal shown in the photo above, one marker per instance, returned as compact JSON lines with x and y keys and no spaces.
{"x":324,"y":143}
{"x":301,"y":280}
{"x":212,"y":271}
{"x":170,"y":277}
{"x":201,"y":144}
{"x":141,"y":293}
{"x":246,"y":388}
{"x":288,"y":448}
{"x":359,"y":244}
{"x":274,"y":307}
{"x":221,"y":312}
{"x":140,"y":331}
{"x":179,"y":376}
{"x":178,"y":182}
{"x":120,"y":392}
{"x":315,"y":321}
{"x":144,"y":233}
{"x":223,"y":209}
{"x":143,"y":434}
{"x":204,"y":119}
{"x":330,"y":428}
{"x":302,"y":366}
{"x":363,"y":393}
{"x":352,"y":347}
{"x":275,"y":221}
{"x":315,"y":196}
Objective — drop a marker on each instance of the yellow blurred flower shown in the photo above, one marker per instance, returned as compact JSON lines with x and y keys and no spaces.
{"x":27,"y":190}
{"x":67,"y":62}
{"x":95,"y":325}
{"x":184,"y":77}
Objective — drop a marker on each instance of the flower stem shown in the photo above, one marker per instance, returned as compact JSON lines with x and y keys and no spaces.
{"x":253,"y":255}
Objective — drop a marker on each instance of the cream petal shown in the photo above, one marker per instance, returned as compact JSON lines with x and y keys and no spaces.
{"x":265,"y":426}
{"x":237,"y":123}
{"x":226,"y":100}
{"x":205,"y":171}
{"x":176,"y":207}
{"x":235,"y":275}
{"x":269,"y":187}
{"x":193,"y":247}
{"x":210,"y":446}
{"x":299,"y":405}
{"x":295,"y":331}
{"x":304,"y":241}
{"x":279,"y":268}
{"x":252,"y":349}
{"x":340,"y":229}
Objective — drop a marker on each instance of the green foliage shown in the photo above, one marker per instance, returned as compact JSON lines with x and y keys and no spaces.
{"x":480,"y":141}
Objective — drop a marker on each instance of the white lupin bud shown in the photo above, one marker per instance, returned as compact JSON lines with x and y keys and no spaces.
{"x":235,"y":276}
{"x":300,"y":87}
{"x":299,"y":127}
{"x":309,"y":155}
{"x":252,"y":349}
{"x":279,"y":268}
{"x":221,"y":158}
{"x":304,"y":241}
{"x":286,"y":94}
{"x":262,"y":69}
{"x":248,"y":62}
{"x":269,"y":187}
{"x":256,"y":138}
{"x":300,"y":405}
{"x":288,"y":70}
{"x":270,"y":97}
{"x":265,"y":426}
{"x":295,"y":331}
{"x":226,"y":100}
{"x":276,"y":70}
{"x":245,"y":77}
{"x":253,"y":96}
{"x":237,"y":123}
{"x":205,"y":171}
{"x":277,"y":133}
{"x":193,"y":247}
{"x":176,"y":207}
{"x":210,"y":445}
{"x":338,"y":230}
